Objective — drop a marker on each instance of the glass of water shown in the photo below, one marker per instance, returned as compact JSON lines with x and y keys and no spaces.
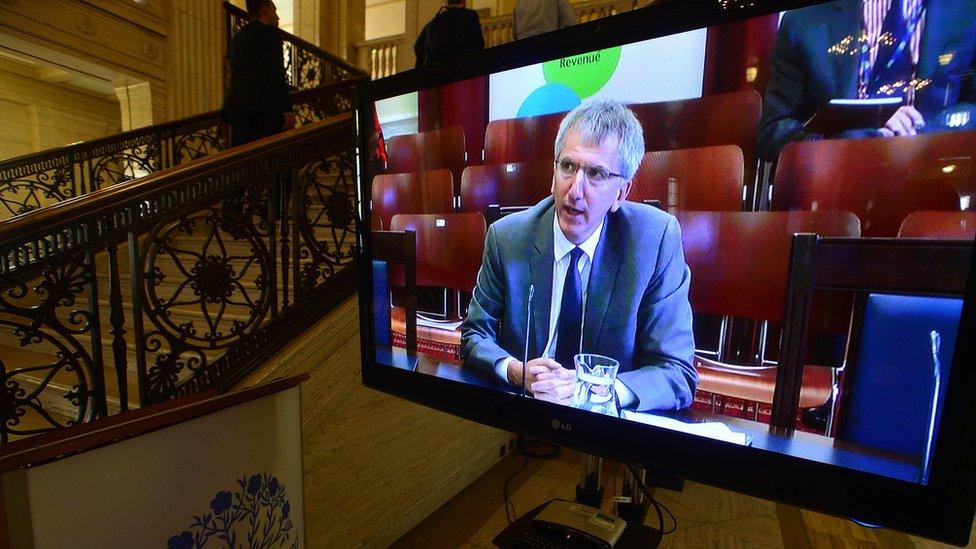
{"x":595,"y":376}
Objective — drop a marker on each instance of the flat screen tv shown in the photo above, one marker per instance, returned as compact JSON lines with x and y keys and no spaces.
{"x":729,"y":241}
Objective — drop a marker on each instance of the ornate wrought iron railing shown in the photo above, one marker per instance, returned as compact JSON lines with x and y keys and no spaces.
{"x":173,"y":283}
{"x":307,"y":65}
{"x":48,"y":177}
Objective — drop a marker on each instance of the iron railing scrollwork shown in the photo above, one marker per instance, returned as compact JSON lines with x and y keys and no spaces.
{"x":307,"y":65}
{"x":178,"y":282}
{"x":48,"y":177}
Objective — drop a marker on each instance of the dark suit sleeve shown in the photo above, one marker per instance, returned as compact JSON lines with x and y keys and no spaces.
{"x":665,"y":342}
{"x":477,"y":38}
{"x":479,"y":333}
{"x":787,"y":81}
{"x":273,"y":66}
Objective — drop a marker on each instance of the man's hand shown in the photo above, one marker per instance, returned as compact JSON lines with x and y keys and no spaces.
{"x":533,"y":369}
{"x":557,"y":385}
{"x":289,"y":121}
{"x":905,"y":121}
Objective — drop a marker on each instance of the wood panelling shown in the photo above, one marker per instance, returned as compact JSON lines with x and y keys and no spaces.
{"x":375,"y":465}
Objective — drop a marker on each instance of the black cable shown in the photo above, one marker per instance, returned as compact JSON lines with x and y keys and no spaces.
{"x":657,"y":505}
{"x":530,"y":449}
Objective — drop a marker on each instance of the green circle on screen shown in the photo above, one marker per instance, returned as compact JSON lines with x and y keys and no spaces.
{"x":585,"y":74}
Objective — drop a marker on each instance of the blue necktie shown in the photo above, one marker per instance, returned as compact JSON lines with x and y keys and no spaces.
{"x":570,"y":313}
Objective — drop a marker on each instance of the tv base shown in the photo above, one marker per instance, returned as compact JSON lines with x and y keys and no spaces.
{"x":634,"y":535}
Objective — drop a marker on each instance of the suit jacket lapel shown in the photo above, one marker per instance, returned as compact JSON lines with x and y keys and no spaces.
{"x":540,"y":275}
{"x":603,"y":275}
{"x":846,"y":22}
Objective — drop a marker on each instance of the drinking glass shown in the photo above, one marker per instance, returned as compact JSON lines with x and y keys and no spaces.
{"x":595,"y":376}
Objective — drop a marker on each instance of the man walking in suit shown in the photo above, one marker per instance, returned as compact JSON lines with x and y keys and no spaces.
{"x":257,"y":103}
{"x":920,"y":50}
{"x":454,"y":30}
{"x":609,"y":276}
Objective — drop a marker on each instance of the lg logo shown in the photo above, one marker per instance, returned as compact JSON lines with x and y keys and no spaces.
{"x":559,"y":425}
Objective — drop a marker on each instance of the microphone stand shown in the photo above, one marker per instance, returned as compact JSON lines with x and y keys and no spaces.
{"x":528,"y":325}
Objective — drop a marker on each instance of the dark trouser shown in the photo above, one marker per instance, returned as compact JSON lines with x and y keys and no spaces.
{"x":245,"y":127}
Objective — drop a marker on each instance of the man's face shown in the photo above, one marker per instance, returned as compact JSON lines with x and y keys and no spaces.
{"x":269,"y":14}
{"x":581,"y":202}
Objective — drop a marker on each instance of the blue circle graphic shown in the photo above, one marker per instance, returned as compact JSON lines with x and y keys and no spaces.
{"x":549,"y":99}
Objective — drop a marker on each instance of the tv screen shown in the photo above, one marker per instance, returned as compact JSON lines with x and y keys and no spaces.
{"x":726,"y":241}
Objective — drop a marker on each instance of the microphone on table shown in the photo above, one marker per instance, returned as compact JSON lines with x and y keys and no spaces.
{"x":528,"y":324}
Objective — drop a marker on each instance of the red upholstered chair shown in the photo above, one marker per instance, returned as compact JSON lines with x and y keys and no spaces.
{"x":425,"y":151}
{"x":949,"y":225}
{"x":703,"y":178}
{"x":722,"y":119}
{"x":521,"y":139}
{"x":449,"y":249}
{"x":739,"y":263}
{"x":880,"y":180}
{"x":412,"y":193}
{"x":375,"y":223}
{"x":516,"y":184}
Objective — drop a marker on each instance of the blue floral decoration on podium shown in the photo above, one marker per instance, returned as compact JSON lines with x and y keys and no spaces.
{"x":255,"y":516}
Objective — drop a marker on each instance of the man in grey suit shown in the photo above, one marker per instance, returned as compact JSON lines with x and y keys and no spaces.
{"x":609,"y":276}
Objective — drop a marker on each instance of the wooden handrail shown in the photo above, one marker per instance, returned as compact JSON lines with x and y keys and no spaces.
{"x":296,"y":96}
{"x":88,"y":436}
{"x":115,"y":197}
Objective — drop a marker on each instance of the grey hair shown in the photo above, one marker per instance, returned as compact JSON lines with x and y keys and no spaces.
{"x":599,"y":119}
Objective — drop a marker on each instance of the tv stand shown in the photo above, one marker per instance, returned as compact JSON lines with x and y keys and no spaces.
{"x":635,"y":536}
{"x":631,"y":506}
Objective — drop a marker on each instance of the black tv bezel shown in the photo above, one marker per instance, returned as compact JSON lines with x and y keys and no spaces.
{"x":942,"y":510}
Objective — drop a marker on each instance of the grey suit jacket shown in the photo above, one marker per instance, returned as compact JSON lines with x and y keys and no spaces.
{"x":637,"y":308}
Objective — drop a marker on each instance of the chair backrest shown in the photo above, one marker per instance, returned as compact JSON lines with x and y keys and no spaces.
{"x":703,"y":178}
{"x":880,"y":180}
{"x":425,"y":151}
{"x":740,"y":261}
{"x":449,"y":247}
{"x":412,"y":193}
{"x":515,"y":184}
{"x":521,"y":139}
{"x":956,"y":225}
{"x":400,"y":249}
{"x":375,"y":223}
{"x":723,"y":119}
{"x":860,"y":266}
{"x":890,"y":380}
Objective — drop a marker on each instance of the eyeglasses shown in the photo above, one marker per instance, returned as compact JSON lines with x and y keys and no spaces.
{"x":594,"y":174}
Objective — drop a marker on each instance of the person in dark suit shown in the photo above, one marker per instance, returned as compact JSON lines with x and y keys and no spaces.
{"x":257,"y":103}
{"x":609,"y":276}
{"x":846,"y":49}
{"x":454,"y":30}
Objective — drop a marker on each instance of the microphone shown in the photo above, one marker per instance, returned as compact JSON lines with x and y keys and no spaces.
{"x":936,"y":340}
{"x":528,"y":324}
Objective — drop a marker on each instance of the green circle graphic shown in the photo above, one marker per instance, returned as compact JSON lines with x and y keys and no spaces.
{"x":585,"y":74}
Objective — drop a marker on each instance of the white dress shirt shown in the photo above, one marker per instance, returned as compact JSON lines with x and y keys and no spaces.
{"x":561,"y":259}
